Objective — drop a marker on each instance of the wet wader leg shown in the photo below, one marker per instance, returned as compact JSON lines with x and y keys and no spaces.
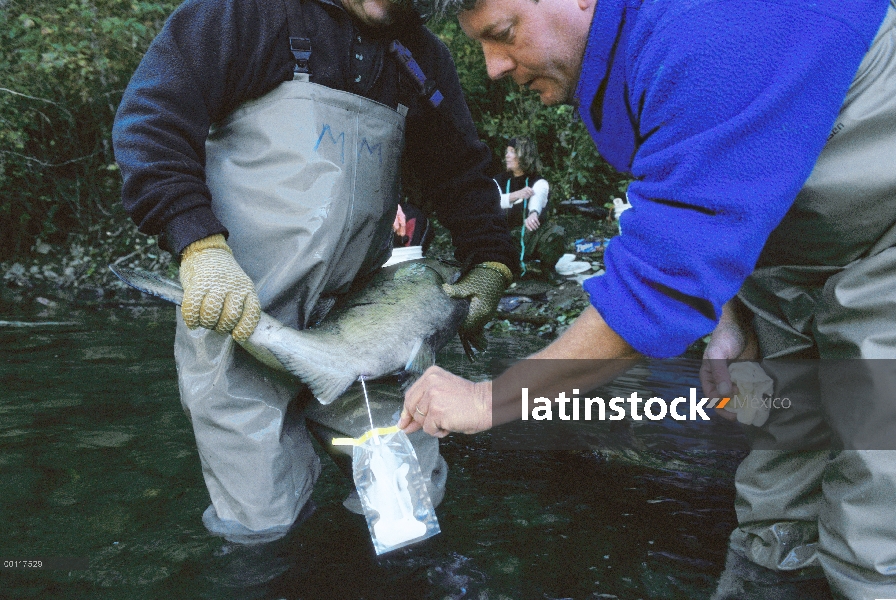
{"x":257,"y":459}
{"x":857,"y":526}
{"x":254,"y":571}
{"x":773,"y":553}
{"x":778,"y":484}
{"x":845,"y":212}
{"x":743,"y":579}
{"x":778,"y":503}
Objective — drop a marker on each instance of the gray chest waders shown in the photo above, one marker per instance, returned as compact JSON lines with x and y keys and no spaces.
{"x":826,"y":287}
{"x":306,"y":180}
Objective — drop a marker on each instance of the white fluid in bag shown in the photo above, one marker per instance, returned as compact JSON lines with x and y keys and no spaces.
{"x":391,"y":498}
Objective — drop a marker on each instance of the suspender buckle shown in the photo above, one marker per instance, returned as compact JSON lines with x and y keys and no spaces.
{"x":301,"y":51}
{"x":425,"y":87}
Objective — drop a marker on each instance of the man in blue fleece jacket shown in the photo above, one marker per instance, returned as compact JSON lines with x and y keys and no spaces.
{"x":760,"y":137}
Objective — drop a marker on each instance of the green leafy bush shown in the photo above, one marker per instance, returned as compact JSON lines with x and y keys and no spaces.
{"x":501,"y":110}
{"x":63,"y":67}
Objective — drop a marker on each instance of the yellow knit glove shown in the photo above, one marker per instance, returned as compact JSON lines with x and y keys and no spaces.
{"x":217,"y":292}
{"x":484,"y":285}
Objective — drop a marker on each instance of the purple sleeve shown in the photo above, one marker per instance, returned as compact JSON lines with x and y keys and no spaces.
{"x":730,"y":125}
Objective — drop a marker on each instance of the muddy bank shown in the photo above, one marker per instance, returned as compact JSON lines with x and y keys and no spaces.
{"x":76,"y":274}
{"x":54,"y":279}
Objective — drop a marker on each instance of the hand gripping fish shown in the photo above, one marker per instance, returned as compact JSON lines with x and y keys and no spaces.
{"x":399,"y":321}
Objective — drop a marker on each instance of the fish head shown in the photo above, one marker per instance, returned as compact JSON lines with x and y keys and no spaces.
{"x":439,"y":272}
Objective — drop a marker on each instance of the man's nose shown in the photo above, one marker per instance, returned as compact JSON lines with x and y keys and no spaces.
{"x":498,"y":63}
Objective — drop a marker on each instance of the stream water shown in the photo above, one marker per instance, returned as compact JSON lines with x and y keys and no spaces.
{"x":97,"y":461}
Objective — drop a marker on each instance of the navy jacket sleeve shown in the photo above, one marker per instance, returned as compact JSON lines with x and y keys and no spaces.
{"x":730,"y":127}
{"x":194,"y":73}
{"x":444,"y":150}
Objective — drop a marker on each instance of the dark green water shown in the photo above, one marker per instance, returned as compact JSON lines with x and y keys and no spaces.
{"x":97,"y":460}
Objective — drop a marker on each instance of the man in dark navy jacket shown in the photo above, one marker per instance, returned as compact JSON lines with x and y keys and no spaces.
{"x":262,"y":141}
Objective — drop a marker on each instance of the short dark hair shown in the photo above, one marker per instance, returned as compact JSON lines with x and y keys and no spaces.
{"x":526,"y":154}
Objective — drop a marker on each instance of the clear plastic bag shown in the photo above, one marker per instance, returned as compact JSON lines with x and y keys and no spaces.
{"x":393,"y":492}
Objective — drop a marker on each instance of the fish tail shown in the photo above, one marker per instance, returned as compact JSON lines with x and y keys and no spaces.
{"x":324,"y":375}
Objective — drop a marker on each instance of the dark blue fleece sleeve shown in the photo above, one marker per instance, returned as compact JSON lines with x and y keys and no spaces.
{"x":733,"y":102}
{"x":210,"y":57}
{"x":444,"y":150}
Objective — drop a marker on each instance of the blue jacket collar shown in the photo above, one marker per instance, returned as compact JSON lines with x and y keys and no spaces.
{"x":601,"y":90}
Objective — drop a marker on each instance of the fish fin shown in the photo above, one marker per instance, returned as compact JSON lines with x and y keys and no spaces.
{"x":328,"y":389}
{"x":422,"y":359}
{"x":325,"y":384}
{"x":405,"y":379}
{"x":150,"y":283}
{"x":321,"y":309}
{"x":474,"y":345}
{"x":456,"y":265}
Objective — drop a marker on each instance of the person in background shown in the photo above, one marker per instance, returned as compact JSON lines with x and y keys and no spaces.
{"x":760,"y":136}
{"x":524,"y":198}
{"x":412,"y":228}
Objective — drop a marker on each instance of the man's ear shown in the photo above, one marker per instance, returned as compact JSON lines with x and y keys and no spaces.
{"x":586,"y":4}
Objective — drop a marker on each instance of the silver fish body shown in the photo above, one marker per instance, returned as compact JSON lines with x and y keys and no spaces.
{"x":398,"y":321}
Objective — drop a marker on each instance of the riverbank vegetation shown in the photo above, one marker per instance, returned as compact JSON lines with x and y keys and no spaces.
{"x":63,"y":68}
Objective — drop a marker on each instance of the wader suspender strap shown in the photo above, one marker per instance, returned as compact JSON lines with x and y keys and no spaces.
{"x":523,"y":228}
{"x":301,"y":49}
{"x":426,"y":88}
{"x":299,"y":46}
